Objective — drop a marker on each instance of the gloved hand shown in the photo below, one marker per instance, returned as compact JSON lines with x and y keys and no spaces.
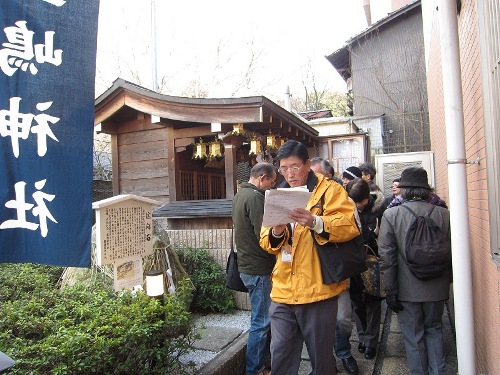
{"x":393,"y":303}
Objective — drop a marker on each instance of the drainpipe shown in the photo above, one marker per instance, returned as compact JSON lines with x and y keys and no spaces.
{"x":368,"y":12}
{"x":457,"y":184}
{"x":288,"y":102}
{"x":153,"y":47}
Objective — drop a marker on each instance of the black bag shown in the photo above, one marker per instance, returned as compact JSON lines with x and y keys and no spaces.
{"x":341,"y":260}
{"x":233,"y":279}
{"x":428,"y":248}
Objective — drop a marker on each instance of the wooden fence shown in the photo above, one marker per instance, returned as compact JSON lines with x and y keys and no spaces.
{"x":217,"y":242}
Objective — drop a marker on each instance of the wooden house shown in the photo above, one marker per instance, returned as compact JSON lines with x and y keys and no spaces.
{"x":162,"y":145}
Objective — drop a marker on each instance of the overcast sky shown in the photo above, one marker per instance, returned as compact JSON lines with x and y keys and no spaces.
{"x":211,"y":43}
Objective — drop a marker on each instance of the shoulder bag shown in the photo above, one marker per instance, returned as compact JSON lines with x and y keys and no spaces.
{"x":341,"y":260}
{"x":233,"y":279}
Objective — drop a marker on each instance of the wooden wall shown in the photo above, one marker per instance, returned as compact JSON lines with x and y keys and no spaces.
{"x":143,"y":168}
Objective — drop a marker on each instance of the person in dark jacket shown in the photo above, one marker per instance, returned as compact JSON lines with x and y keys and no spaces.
{"x":367,"y":308}
{"x":343,"y":327}
{"x":350,"y":174}
{"x":418,"y":303}
{"x":254,"y":263}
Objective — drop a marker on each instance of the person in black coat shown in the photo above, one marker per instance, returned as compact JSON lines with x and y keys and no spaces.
{"x":367,"y":308}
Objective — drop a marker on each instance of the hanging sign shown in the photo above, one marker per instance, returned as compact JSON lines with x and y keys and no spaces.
{"x":47,"y":74}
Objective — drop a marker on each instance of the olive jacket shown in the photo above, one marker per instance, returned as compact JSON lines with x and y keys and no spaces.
{"x":247,"y":211}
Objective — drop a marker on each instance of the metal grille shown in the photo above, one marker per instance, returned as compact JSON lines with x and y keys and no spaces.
{"x":243,"y":172}
{"x":407,"y":132}
{"x":346,"y":153}
{"x":392,"y":171}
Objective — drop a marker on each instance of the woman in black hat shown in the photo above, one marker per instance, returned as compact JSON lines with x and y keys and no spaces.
{"x":350,"y":174}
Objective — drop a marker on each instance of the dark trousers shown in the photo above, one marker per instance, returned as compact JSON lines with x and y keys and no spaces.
{"x":367,"y":313}
{"x":292,"y":325}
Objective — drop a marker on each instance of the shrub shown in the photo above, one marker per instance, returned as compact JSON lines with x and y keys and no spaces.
{"x":209,"y":280}
{"x":88,"y":329}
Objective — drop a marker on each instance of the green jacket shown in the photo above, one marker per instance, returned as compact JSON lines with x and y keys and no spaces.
{"x":248,"y":209}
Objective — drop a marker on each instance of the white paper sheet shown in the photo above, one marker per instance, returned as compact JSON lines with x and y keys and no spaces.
{"x":280,"y":202}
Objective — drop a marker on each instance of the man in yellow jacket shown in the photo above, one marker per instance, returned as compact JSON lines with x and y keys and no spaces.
{"x":303,"y":309}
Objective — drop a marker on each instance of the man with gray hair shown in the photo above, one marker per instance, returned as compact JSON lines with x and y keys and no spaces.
{"x":320,"y":165}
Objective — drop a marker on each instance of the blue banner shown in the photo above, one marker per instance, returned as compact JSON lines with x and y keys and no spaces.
{"x":47,"y":74}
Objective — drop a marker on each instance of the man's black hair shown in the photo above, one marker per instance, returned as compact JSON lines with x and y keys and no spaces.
{"x":368,"y":168}
{"x":292,"y":148}
{"x":358,"y":190}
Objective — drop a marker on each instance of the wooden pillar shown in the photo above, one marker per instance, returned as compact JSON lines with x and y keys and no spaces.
{"x":230,"y":169}
{"x":231,"y":144}
{"x":172,"y":164}
{"x":115,"y":165}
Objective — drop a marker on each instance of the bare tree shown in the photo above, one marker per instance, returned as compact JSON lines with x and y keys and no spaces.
{"x":102,"y":157}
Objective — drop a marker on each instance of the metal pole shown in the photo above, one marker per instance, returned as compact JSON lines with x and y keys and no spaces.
{"x":153,"y":45}
{"x":457,"y":177}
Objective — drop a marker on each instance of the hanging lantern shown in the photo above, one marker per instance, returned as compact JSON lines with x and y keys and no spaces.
{"x":272,"y":141}
{"x":200,"y":150}
{"x":255,"y":145}
{"x":238,"y":129}
{"x":215,"y":149}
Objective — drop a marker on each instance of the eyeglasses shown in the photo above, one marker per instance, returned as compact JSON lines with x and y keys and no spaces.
{"x":273,"y":182}
{"x":284,"y":171}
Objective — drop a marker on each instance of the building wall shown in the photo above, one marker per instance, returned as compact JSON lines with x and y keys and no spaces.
{"x":143,"y":164}
{"x":485,"y":273}
{"x":388,"y":77}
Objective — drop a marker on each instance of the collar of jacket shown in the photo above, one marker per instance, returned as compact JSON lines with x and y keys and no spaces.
{"x":248,"y":185}
{"x":312,"y":181}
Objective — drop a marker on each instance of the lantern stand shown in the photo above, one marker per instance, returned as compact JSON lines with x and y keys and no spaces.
{"x":155,"y":285}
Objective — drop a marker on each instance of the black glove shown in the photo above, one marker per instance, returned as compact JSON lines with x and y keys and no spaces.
{"x":393,"y":303}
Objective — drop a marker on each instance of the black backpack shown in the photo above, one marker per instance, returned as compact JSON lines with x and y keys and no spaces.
{"x":428,"y":247}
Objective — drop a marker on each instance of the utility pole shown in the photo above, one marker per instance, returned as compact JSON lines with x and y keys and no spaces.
{"x":153,"y":46}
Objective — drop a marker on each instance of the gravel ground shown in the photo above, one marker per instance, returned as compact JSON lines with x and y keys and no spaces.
{"x":239,"y":319}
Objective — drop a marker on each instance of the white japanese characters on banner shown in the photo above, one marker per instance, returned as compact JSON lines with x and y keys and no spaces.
{"x":47,"y":73}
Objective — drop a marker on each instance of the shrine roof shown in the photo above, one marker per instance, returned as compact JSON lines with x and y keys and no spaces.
{"x":195,"y":208}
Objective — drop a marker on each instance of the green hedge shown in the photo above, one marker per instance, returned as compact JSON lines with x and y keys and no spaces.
{"x":209,"y":280}
{"x":89,"y":329}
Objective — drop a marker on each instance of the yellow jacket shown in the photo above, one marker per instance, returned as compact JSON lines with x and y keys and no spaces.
{"x":300,"y":281}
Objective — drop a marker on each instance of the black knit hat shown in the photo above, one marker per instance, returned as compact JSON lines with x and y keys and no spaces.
{"x":351,"y":173}
{"x":414,"y":177}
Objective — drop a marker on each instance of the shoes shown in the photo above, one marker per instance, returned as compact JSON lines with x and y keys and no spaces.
{"x":361,"y":347}
{"x":350,"y":365}
{"x":370,"y":352}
